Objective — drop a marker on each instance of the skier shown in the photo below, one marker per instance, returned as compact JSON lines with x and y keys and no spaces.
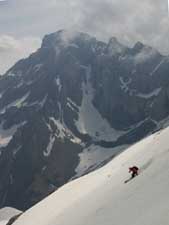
{"x":134,"y":170}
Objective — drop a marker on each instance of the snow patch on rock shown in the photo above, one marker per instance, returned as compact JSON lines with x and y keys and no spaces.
{"x":63,"y":131}
{"x":89,"y":119}
{"x":58,"y":83}
{"x":17,"y":103}
{"x":124,"y":84}
{"x":158,"y":66}
{"x":38,"y":67}
{"x":7,"y":134}
{"x":151,"y":94}
{"x":50,"y":146}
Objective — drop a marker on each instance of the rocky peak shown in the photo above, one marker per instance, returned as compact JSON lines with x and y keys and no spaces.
{"x":138,"y":46}
{"x":115,"y":47}
{"x":66,"y":38}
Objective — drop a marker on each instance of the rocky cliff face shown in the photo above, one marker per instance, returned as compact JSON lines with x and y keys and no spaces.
{"x":71,"y":106}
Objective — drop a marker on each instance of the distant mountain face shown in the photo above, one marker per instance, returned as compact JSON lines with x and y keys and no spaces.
{"x":72,"y":106}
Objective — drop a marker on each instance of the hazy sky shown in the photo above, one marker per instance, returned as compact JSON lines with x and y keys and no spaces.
{"x":24,"y":22}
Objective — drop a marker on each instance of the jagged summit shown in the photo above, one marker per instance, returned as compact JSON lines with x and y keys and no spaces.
{"x":65,"y":37}
{"x":138,"y":46}
{"x":70,"y":38}
{"x":115,"y":47}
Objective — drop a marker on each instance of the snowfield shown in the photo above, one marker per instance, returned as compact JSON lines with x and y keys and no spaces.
{"x":102,"y":198}
{"x":90,"y":120}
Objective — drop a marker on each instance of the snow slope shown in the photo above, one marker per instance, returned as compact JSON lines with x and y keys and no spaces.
{"x":3,"y":222}
{"x":102,"y":198}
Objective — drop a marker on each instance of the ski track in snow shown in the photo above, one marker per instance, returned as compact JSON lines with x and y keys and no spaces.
{"x":101,"y":197}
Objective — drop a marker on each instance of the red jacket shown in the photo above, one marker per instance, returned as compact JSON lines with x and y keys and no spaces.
{"x":134,"y":169}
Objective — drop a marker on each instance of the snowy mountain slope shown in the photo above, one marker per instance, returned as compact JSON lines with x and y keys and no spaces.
{"x":102,"y":197}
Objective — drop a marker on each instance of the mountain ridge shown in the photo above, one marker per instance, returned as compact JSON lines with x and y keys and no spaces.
{"x":72,"y":106}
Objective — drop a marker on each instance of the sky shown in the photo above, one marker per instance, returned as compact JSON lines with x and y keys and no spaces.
{"x":23,"y":23}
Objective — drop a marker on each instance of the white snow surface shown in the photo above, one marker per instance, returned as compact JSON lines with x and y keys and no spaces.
{"x":101,"y":197}
{"x":6,"y":213}
{"x":90,"y":120}
{"x":3,"y":222}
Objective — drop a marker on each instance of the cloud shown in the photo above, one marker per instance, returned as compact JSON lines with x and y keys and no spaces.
{"x":145,"y":54}
{"x":129,"y":20}
{"x":67,"y":36}
{"x":12,"y":49}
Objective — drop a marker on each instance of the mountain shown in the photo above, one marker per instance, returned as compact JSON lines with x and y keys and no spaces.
{"x":71,"y":107}
{"x":102,"y":197}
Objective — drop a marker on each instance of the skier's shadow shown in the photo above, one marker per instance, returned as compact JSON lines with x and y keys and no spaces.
{"x":126,"y":181}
